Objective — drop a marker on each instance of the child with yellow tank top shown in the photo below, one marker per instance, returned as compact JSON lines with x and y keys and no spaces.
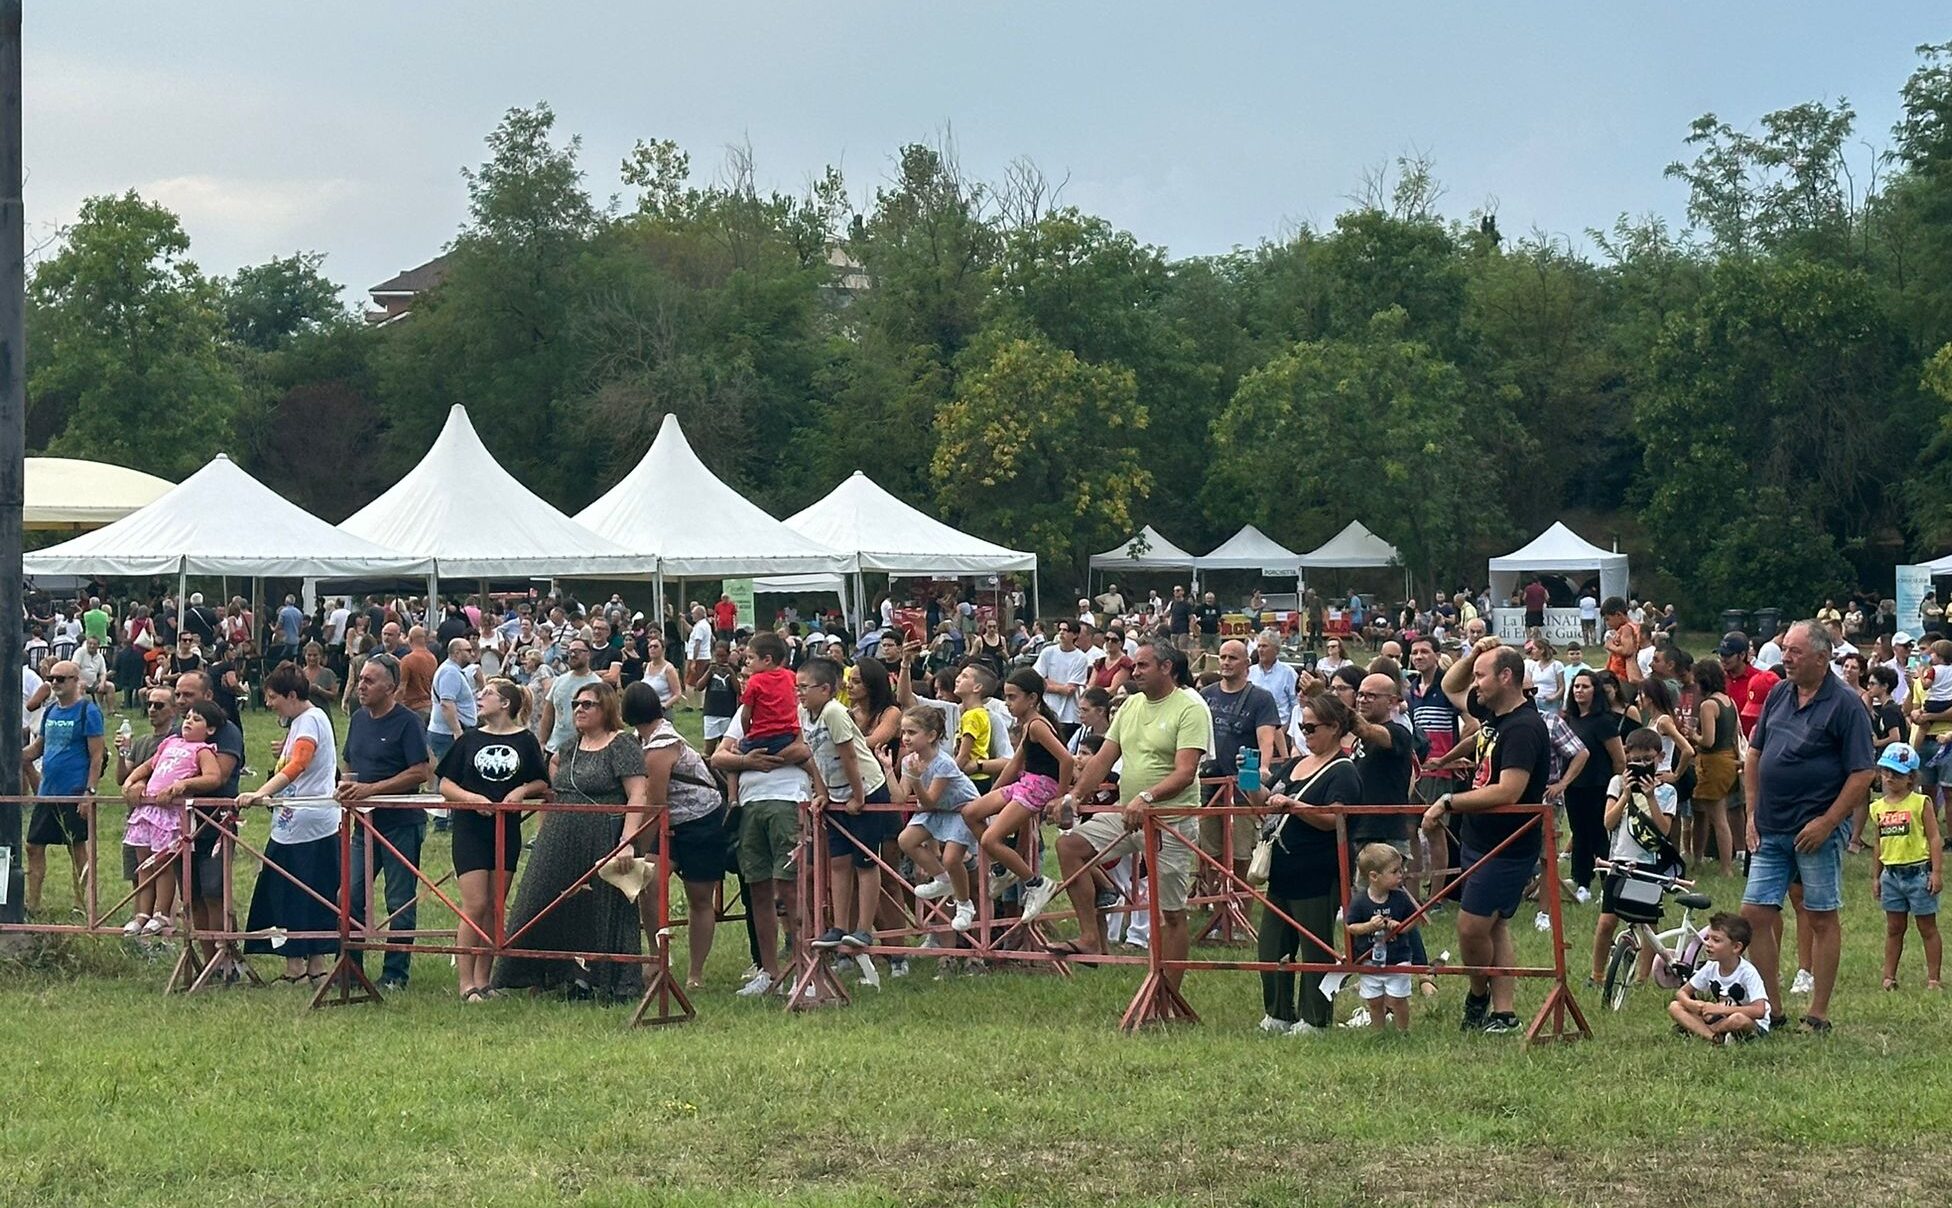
{"x":1906,"y":862}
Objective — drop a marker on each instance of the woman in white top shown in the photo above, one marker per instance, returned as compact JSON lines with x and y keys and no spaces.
{"x":304,"y":834}
{"x":1547,"y":673}
{"x":1331,"y":660}
{"x":659,"y":673}
{"x":676,"y":779}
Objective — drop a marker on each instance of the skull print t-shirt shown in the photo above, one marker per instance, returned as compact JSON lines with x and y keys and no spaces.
{"x":1738,"y":987}
{"x":494,"y":764}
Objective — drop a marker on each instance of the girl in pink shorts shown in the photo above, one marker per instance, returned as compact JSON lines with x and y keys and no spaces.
{"x":1039,"y":773}
{"x":184,"y":762}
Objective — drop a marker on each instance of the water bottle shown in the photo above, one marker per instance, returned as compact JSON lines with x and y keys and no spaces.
{"x":1379,"y":944}
{"x":124,"y":736}
{"x":1250,"y":771}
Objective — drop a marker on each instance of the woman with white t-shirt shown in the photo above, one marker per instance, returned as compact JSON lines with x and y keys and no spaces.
{"x":1331,"y":660}
{"x":1546,"y":673}
{"x":304,"y":833}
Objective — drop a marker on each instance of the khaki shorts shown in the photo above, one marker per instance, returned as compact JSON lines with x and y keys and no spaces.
{"x":1174,"y":876}
{"x":768,"y":833}
{"x":1246,"y":831}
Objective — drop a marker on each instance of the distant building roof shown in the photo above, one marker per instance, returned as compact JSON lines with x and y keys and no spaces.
{"x":413,"y":280}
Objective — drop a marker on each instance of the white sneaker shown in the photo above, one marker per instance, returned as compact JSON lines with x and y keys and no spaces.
{"x":965,"y":916}
{"x":759,"y":985}
{"x":1582,"y":895}
{"x":1037,"y":897}
{"x":133,"y":927}
{"x":1001,"y":879}
{"x":870,"y":976}
{"x":1303,"y":1028}
{"x":938,"y":888}
{"x":1542,"y":921}
{"x":1359,"y":1020}
{"x":1276,"y":1026}
{"x":751,"y":972}
{"x":1805,"y":983}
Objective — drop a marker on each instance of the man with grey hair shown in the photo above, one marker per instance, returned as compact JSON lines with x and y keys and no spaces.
{"x":385,"y":754}
{"x":1809,"y":765}
{"x":1278,"y":680}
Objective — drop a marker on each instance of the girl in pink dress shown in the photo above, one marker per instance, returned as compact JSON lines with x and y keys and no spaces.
{"x":184,"y":763}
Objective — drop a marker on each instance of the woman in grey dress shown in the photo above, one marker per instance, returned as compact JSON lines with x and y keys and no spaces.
{"x":603,"y":766}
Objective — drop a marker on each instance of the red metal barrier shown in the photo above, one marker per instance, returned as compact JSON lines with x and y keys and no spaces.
{"x":663,"y":1000}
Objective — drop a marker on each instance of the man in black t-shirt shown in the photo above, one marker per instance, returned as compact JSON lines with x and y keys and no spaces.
{"x":1179,"y":616}
{"x":386,"y":754}
{"x":1383,"y":754}
{"x":1209,"y":614}
{"x":1514,"y":767}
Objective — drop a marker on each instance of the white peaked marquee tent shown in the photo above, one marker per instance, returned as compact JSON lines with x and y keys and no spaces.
{"x":221,"y":521}
{"x":672,"y":509}
{"x":460,"y":508}
{"x":886,"y":534}
{"x":63,"y":493}
{"x":1251,"y":549}
{"x":1158,"y":554}
{"x":1559,"y":549}
{"x":1355,"y":548}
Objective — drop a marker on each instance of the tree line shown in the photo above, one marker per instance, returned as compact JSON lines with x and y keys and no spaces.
{"x":1758,"y":404}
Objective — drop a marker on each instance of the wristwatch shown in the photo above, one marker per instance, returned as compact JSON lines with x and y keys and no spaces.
{"x":1443,"y":804}
{"x":1146,"y":796}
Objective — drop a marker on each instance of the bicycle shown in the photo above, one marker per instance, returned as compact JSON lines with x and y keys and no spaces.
{"x":1677,"y":951}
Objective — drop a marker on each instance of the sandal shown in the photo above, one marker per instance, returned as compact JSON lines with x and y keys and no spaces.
{"x":287,"y":979}
{"x":1815,"y":1025}
{"x":1890,"y":983}
{"x":474,"y":994}
{"x":1933,"y":985}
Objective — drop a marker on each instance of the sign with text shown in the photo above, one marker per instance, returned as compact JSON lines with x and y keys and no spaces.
{"x":1561,"y":625}
{"x":740,"y":591}
{"x":1913,"y":583}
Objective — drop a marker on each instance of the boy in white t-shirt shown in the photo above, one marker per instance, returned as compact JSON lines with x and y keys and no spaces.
{"x":1726,"y":996}
{"x":1639,"y":816}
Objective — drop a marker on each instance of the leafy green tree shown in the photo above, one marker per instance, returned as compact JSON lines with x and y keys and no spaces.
{"x":266,"y":305}
{"x":127,"y":346}
{"x":1784,"y":375}
{"x":1038,"y":450}
{"x":1422,"y":475}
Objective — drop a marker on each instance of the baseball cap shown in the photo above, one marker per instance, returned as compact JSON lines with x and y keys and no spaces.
{"x":1899,"y":757}
{"x":1733,"y":642}
{"x":1901,"y":638}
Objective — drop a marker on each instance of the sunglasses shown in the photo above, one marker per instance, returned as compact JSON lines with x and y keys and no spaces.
{"x":60,"y":679}
{"x":158,"y":704}
{"x":1309,"y":727}
{"x":585,"y":704}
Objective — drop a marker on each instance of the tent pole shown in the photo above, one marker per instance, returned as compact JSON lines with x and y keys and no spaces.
{"x":182,"y":591}
{"x":1036,"y":596}
{"x":433,"y":596}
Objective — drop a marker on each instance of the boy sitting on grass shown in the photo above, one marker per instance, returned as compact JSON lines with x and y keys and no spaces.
{"x":1726,"y":996}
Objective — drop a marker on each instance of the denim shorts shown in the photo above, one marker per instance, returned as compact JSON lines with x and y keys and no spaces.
{"x":1494,"y":888}
{"x":1775,"y":862}
{"x":1902,"y":890}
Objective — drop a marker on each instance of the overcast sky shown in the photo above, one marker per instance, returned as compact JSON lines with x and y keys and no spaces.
{"x":342,"y":127}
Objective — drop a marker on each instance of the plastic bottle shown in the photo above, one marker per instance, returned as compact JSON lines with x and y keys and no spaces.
{"x":1379,"y":944}
{"x":124,"y":736}
{"x":1250,"y":771}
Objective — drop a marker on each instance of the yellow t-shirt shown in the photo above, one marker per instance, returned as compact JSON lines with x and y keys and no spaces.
{"x":1150,"y":735}
{"x":976,"y":724}
{"x":1901,"y":830}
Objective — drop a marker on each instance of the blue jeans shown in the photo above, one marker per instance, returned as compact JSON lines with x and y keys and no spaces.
{"x":1775,"y":863}
{"x":404,"y":828}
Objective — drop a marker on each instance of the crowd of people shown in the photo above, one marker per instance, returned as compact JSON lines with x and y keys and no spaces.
{"x":975,"y":728}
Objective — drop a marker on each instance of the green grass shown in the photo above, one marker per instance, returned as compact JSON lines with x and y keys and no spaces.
{"x":1007,"y":1088}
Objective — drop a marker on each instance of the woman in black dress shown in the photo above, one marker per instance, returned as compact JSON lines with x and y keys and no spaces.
{"x":604,"y":765}
{"x":1598,"y":726}
{"x":499,"y":762}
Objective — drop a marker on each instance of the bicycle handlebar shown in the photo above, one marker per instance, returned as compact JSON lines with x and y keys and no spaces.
{"x":1642,"y":874}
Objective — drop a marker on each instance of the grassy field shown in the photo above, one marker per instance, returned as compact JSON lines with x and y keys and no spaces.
{"x":1005,"y":1088}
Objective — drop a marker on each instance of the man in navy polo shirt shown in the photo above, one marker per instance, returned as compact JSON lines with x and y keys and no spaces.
{"x":386,"y":755}
{"x":1809,"y":766}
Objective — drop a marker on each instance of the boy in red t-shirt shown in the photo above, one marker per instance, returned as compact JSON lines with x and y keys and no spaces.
{"x":771,"y":697}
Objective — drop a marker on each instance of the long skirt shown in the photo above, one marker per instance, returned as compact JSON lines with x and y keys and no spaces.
{"x":597,"y":918}
{"x":276,"y":902}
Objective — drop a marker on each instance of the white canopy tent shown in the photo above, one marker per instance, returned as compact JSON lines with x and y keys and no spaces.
{"x":1355,"y":548}
{"x":886,"y":534}
{"x":1560,"y":550}
{"x":221,"y":521}
{"x":1251,"y":549}
{"x":1158,"y":554}
{"x":672,"y":509}
{"x":65,"y":493}
{"x":459,"y":507}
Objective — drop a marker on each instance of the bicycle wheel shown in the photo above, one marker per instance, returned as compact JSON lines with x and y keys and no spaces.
{"x":1620,"y":971}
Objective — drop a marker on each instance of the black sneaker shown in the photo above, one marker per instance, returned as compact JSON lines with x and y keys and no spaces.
{"x":1474,"y":1011}
{"x":1500,"y":1022}
{"x":830,"y":938}
{"x":1816,"y":1025}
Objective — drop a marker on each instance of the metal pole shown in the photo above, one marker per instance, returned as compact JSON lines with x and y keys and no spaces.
{"x":13,"y":441}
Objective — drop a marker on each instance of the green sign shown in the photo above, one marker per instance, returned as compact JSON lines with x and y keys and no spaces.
{"x":741,"y":592}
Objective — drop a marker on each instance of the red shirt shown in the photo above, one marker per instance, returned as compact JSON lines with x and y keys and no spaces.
{"x":1535,"y":597}
{"x":725,"y":615}
{"x":1748,"y":688}
{"x":772,"y":702}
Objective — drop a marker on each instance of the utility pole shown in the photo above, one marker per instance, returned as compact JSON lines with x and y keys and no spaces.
{"x":13,"y":443}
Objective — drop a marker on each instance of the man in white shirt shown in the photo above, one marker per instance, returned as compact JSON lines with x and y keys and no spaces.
{"x":1276,"y":677}
{"x":335,"y":636}
{"x":1066,"y":669}
{"x":1770,"y":656}
{"x":1589,"y":617}
{"x":698,"y":651}
{"x":769,"y":789}
{"x":94,"y":673}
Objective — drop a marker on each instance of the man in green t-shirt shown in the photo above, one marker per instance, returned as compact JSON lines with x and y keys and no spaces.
{"x":94,"y":622}
{"x":1162,"y":733}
